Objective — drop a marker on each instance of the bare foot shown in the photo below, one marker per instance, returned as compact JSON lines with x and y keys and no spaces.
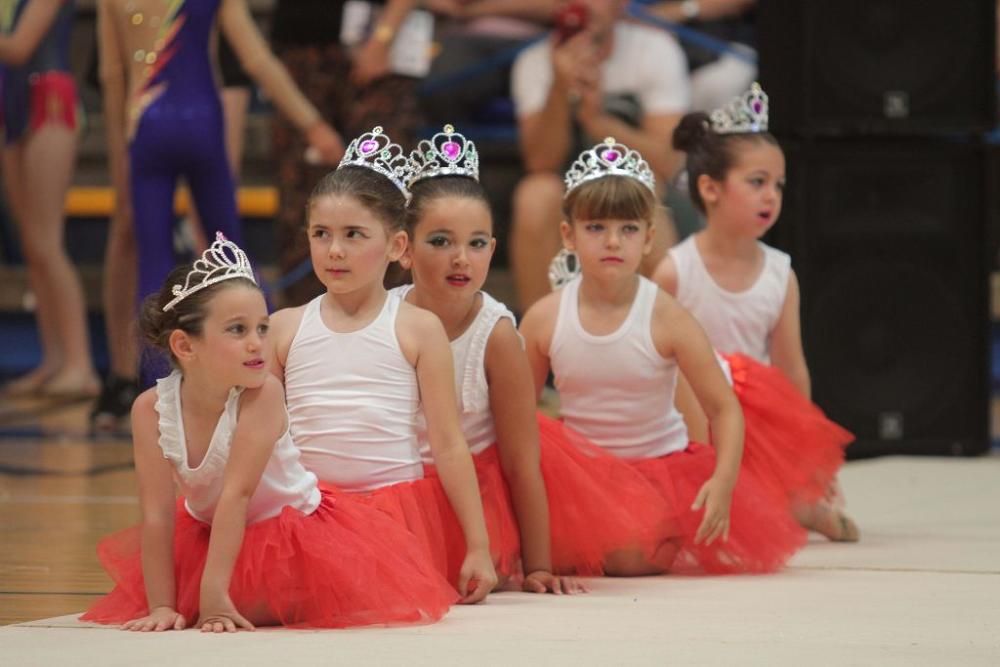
{"x":72,"y":384}
{"x":829,"y":522}
{"x":28,"y":384}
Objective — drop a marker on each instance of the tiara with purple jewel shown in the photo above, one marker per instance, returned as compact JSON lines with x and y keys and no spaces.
{"x":374,"y":150}
{"x":609,"y":158}
{"x":224,"y":260}
{"x":745,"y":114}
{"x":447,"y":153}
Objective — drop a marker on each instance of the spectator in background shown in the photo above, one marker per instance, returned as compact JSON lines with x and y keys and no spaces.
{"x":353,"y":90}
{"x":164,"y":122}
{"x":473,"y":32}
{"x":40,"y":120}
{"x":121,"y":386}
{"x":613,"y":78}
{"x":715,"y":77}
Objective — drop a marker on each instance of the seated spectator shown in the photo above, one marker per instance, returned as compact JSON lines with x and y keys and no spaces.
{"x":471,"y":32}
{"x":715,"y":77}
{"x":613,"y":78}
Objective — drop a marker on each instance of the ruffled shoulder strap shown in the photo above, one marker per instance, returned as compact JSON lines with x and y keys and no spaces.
{"x":168,"y":407}
{"x":475,"y":393}
{"x":222,"y":439}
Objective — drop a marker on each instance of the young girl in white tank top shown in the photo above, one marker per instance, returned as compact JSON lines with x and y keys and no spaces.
{"x":615,"y":344}
{"x":358,"y":364}
{"x":746,"y":297}
{"x":253,"y":541}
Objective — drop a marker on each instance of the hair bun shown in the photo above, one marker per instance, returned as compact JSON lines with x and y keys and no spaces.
{"x":691,"y":132}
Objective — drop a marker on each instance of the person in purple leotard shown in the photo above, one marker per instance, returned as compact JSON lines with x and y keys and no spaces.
{"x":165,"y":122}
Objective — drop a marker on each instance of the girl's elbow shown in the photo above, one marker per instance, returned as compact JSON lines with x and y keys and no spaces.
{"x":520,"y":469}
{"x":726,"y":408}
{"x":157,"y":521}
{"x":450,"y":449}
{"x":238,"y":496}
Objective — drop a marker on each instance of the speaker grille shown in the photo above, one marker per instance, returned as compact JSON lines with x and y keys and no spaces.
{"x":887,"y":238}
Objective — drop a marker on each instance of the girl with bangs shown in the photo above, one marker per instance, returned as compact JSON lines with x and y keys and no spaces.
{"x":616,"y":346}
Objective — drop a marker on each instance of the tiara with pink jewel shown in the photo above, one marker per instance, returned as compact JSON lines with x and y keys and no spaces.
{"x":609,"y":158}
{"x":745,"y":114}
{"x":224,"y":260}
{"x":447,"y":153}
{"x":374,"y":150}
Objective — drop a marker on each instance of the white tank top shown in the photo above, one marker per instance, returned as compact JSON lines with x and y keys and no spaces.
{"x":734,"y":321}
{"x":352,"y":401}
{"x":617,"y":390}
{"x":469,"y":354}
{"x":285,"y":482}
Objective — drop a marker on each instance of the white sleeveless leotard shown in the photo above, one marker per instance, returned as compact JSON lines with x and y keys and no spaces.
{"x":734,"y":321}
{"x":617,"y":390}
{"x":352,"y":401}
{"x":469,"y":354}
{"x":285,"y":482}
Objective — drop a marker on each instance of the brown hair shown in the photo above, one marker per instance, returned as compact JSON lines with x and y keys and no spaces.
{"x":429,"y":189}
{"x":710,"y":153}
{"x":610,"y":198}
{"x":188,"y":314}
{"x":375,"y":192}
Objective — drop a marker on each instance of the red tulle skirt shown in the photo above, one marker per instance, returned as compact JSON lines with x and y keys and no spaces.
{"x":343,"y":565}
{"x":505,"y":539}
{"x":423,"y":508}
{"x":598,"y":504}
{"x":762,"y":534}
{"x":789,"y":444}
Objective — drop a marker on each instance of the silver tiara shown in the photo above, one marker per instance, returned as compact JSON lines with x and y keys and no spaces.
{"x":745,"y":114}
{"x":374,"y":150}
{"x":446,"y":154}
{"x":222,"y":261}
{"x":609,"y":159}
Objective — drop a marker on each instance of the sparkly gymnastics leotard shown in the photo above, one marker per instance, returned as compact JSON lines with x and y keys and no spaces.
{"x":175,"y":127}
{"x":42,"y":90}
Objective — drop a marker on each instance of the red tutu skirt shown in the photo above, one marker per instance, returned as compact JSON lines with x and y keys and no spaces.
{"x":789,"y":444}
{"x":343,"y":565}
{"x":598,"y":504}
{"x":505,"y":539}
{"x":423,"y":508}
{"x":762,"y":533}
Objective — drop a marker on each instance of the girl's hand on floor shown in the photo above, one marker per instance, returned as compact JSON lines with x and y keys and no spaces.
{"x":542,"y":581}
{"x":220,"y":615}
{"x":477,"y":577}
{"x":158,"y":620}
{"x":715,"y":496}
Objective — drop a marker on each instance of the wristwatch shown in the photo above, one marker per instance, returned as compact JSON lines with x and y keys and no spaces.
{"x":690,"y":9}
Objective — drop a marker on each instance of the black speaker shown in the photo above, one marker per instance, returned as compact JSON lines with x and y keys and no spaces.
{"x":993,"y":203}
{"x":842,"y":67}
{"x":888,"y":239}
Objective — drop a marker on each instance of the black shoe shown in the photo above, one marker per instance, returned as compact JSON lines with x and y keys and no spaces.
{"x":114,"y":403}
